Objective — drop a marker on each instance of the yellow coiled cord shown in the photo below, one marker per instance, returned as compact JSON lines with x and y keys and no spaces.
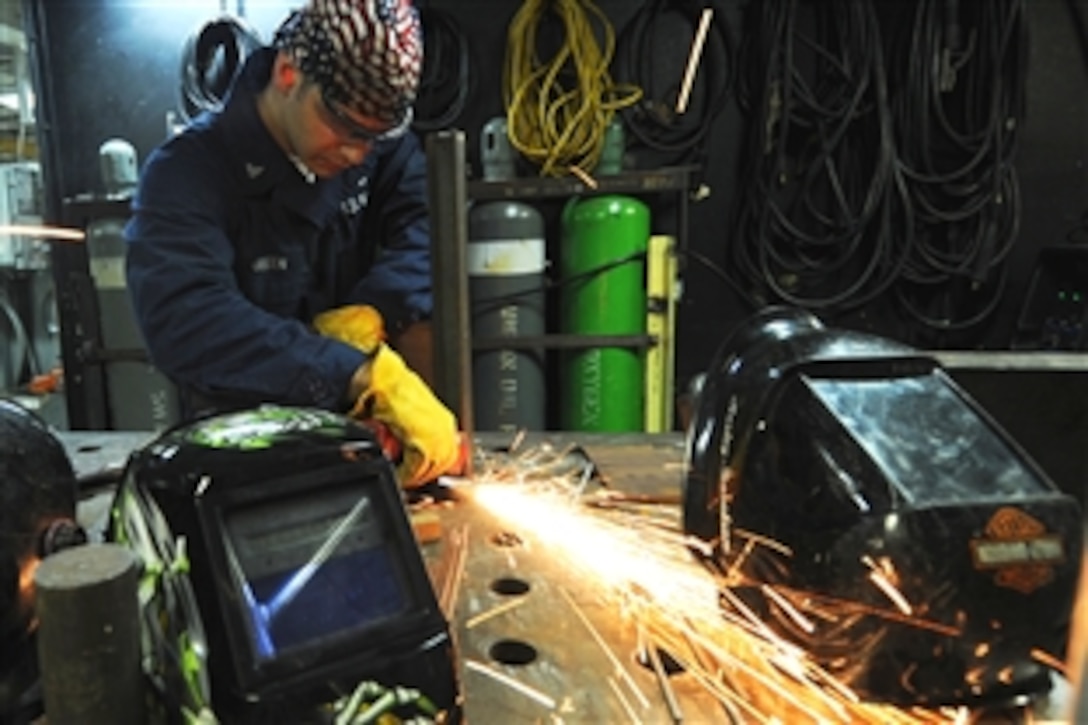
{"x":561,"y":128}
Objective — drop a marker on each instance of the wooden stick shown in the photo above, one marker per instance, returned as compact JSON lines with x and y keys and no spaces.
{"x":694,"y":57}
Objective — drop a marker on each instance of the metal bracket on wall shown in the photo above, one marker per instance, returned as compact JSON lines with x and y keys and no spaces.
{"x":449,"y":194}
{"x":449,"y":242}
{"x":655,"y":181}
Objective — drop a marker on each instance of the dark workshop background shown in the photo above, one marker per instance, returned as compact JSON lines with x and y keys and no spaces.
{"x":112,"y":68}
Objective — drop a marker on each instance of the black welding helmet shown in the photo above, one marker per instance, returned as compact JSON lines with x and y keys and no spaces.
{"x":281,"y":573}
{"x":38,"y":493}
{"x":911,"y":547}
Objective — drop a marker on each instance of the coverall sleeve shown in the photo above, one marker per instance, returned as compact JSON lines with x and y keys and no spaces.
{"x":199,"y":328}
{"x":399,"y":281}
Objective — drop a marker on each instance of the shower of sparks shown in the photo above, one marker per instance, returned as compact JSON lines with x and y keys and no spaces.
{"x":644,"y":567}
{"x":879,"y":575}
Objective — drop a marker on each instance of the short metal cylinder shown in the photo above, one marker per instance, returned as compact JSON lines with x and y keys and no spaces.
{"x":89,"y":636}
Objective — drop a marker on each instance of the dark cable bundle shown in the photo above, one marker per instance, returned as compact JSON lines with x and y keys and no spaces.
{"x":822,"y":222}
{"x":210,"y":59}
{"x":958,"y":109}
{"x":655,"y":121}
{"x":447,"y":77}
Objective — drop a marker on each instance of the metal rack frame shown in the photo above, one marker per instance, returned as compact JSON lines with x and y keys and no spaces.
{"x":450,"y":193}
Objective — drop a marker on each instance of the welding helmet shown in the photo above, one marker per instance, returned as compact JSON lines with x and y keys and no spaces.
{"x":38,"y":494}
{"x":930,"y":559}
{"x":281,"y":573}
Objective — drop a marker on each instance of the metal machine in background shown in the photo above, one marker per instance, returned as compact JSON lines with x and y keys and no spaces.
{"x":29,"y":339}
{"x":21,"y":204}
{"x":878,"y":517}
{"x":281,"y":535}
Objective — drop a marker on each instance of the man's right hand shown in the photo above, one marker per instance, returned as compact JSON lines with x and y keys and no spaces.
{"x":387,"y":390}
{"x":397,"y":397}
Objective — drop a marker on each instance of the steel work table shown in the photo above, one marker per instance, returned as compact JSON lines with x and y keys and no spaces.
{"x":557,"y":653}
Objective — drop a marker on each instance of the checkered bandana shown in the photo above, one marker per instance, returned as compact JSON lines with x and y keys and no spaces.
{"x":365,"y":54}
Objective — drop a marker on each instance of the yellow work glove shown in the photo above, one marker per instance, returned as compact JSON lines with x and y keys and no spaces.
{"x":397,"y":397}
{"x":360,"y":326}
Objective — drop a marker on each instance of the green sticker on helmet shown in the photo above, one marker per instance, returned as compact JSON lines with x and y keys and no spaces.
{"x":262,"y":427}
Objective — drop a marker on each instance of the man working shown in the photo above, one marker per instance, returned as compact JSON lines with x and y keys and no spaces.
{"x":274,"y":241}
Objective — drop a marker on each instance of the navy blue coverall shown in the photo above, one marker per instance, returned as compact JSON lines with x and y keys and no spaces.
{"x":231,"y":252}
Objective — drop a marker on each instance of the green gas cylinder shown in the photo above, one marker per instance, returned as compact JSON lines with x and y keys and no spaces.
{"x":603,"y":263}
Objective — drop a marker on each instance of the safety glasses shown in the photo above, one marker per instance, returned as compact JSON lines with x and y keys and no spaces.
{"x":348,"y":128}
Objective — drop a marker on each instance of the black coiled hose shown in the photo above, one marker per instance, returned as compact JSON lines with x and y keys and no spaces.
{"x":210,"y":60}
{"x":447,"y":78}
{"x":653,"y":121}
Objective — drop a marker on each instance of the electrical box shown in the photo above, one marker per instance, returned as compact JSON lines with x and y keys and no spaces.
{"x":21,"y":204}
{"x":1055,"y":312}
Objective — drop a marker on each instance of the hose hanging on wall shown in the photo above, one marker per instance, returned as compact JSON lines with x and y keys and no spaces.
{"x":658,"y":121}
{"x":558,"y":109}
{"x":447,"y":77}
{"x":958,"y":112}
{"x":822,"y":222}
{"x":210,"y":59}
